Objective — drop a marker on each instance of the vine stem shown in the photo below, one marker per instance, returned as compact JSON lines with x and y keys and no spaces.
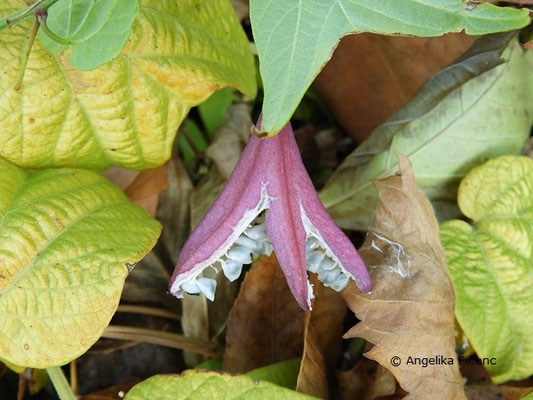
{"x":26,"y":53}
{"x":26,"y":13}
{"x":60,"y":383}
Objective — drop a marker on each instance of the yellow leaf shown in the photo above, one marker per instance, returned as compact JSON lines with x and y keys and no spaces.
{"x":126,"y":112}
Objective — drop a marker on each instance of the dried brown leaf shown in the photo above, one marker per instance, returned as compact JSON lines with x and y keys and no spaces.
{"x":143,"y":188}
{"x":371,"y":76}
{"x":323,"y":329}
{"x":242,"y":8}
{"x":230,"y":139}
{"x":494,"y":392}
{"x":266,"y":323}
{"x":410,"y":312}
{"x":366,"y":381}
{"x":173,"y":210}
{"x":116,"y":392}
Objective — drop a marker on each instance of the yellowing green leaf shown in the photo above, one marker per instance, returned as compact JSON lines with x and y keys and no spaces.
{"x":296,"y":38}
{"x":67,"y":240}
{"x":200,"y":385}
{"x":126,"y":112}
{"x":478,"y":108}
{"x":491,"y":264}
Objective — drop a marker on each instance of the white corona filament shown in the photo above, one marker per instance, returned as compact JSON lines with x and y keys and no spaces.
{"x":243,"y":244}
{"x":320,"y":259}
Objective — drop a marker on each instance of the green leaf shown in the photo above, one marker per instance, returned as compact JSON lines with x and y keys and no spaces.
{"x":283,"y":373}
{"x":201,"y":385}
{"x":97,"y":29}
{"x":67,"y":240}
{"x":128,"y":111}
{"x":478,"y":108}
{"x":213,"y":111}
{"x":491,"y":264}
{"x":296,"y":38}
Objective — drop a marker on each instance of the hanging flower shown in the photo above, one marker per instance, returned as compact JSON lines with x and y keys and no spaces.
{"x":269,"y":176}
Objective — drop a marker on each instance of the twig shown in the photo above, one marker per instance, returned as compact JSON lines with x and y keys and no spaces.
{"x":157,"y":312}
{"x":167,"y":339}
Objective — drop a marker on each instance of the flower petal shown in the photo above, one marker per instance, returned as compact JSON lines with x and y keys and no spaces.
{"x":242,"y":199}
{"x":283,"y":220}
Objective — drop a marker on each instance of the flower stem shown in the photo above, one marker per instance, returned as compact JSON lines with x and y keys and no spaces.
{"x":26,"y":54}
{"x":60,"y":383}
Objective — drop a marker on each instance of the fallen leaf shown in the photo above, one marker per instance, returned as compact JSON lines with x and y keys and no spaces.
{"x":266,"y":323}
{"x":371,"y":76}
{"x":366,"y":381}
{"x":494,"y":392}
{"x":242,"y":9}
{"x":149,"y":282}
{"x":116,"y":392}
{"x":230,"y":139}
{"x":173,"y":210}
{"x":460,"y":110}
{"x":143,"y":188}
{"x":410,"y":312}
{"x":323,"y":328}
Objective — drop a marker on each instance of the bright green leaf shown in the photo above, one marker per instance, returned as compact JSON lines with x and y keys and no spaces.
{"x":476,"y":109}
{"x":97,"y":29}
{"x":199,"y":385}
{"x":128,"y":111}
{"x":67,"y":239}
{"x":295,"y":38}
{"x":491,"y":264}
{"x":283,"y":373}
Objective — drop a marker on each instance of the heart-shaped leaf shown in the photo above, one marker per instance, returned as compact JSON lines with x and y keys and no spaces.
{"x":199,"y":385}
{"x":67,"y":241}
{"x":126,"y":112}
{"x":97,"y":29}
{"x":296,"y":38}
{"x":491,"y":264}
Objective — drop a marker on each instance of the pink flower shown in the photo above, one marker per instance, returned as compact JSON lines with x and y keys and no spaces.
{"x":269,"y":176}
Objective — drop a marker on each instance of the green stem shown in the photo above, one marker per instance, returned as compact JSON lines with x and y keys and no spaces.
{"x":48,"y":32}
{"x":28,"y":12}
{"x":60,"y":383}
{"x":26,"y":54}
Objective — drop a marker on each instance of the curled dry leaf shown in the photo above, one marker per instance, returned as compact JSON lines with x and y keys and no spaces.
{"x":410,"y":312}
{"x":266,"y":323}
{"x":322,"y":340}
